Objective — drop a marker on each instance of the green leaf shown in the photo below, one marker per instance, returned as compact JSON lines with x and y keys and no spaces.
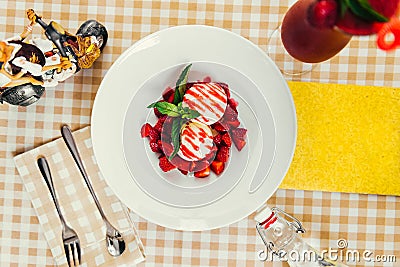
{"x":363,"y":9}
{"x":181,"y":85}
{"x":166,"y":108}
{"x":375,"y":15}
{"x":188,"y":113}
{"x":176,"y":135}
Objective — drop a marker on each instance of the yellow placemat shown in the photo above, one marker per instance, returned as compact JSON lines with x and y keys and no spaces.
{"x":348,"y":139}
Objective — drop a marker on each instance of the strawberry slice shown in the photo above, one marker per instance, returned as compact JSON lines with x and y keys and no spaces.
{"x":145,"y":130}
{"x":218,"y":126}
{"x":233,"y":124}
{"x":233,"y":104}
{"x":180,"y":163}
{"x":154,"y":135}
{"x":227,"y":139}
{"x":223,"y":154}
{"x":158,"y":126}
{"x":203,"y":173}
{"x":239,"y":137}
{"x":217,"y":167}
{"x":167,"y":93}
{"x":217,"y":139}
{"x":155,"y":146}
{"x":165,"y":165}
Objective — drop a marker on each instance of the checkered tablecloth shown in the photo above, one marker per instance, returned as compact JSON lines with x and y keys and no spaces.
{"x":366,"y":222}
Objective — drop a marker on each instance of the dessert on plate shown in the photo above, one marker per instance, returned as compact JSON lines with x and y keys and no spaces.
{"x":197,"y":126}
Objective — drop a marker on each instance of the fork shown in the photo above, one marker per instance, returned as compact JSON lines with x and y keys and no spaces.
{"x":69,"y":236}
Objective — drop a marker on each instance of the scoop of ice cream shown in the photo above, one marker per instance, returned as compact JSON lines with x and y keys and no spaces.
{"x":196,"y":141}
{"x":209,"y":99}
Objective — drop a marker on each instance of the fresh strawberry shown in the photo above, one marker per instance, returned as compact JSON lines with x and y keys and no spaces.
{"x":226,"y":89}
{"x":233,"y":104}
{"x":223,"y":154}
{"x":155,"y":147}
{"x":167,"y":148}
{"x":211,"y":155}
{"x":145,"y":130}
{"x":158,"y":126}
{"x":181,"y":163}
{"x":233,"y":124}
{"x":217,"y":139}
{"x":239,"y":137}
{"x":154,"y":135}
{"x":217,"y":167}
{"x":165,"y":165}
{"x":167,"y":93}
{"x":323,"y":13}
{"x":184,"y":172}
{"x":219,"y":126}
{"x":227,"y":139}
{"x":198,"y":165}
{"x":203,"y":173}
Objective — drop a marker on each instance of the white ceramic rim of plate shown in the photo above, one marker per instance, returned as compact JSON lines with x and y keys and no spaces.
{"x":111,"y":103}
{"x":255,"y":116}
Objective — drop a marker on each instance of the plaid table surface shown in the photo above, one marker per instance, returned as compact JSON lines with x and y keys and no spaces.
{"x":366,"y":222}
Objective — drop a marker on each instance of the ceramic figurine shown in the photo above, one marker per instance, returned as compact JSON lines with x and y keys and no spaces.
{"x":27,"y":67}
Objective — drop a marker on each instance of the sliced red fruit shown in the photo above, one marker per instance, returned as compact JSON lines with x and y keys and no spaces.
{"x":218,"y":139}
{"x":227,"y":139}
{"x":323,"y":14}
{"x":158,"y":126}
{"x":233,"y":103}
{"x":239,"y":137}
{"x":167,"y":148}
{"x":167,"y":93}
{"x":203,"y":173}
{"x":223,"y":154}
{"x":145,"y":130}
{"x":211,"y":155}
{"x":184,"y":172}
{"x":198,"y":165}
{"x":154,"y":135}
{"x":230,"y":114}
{"x":181,"y":163}
{"x":233,"y":124}
{"x":218,"y":126}
{"x":165,"y":165}
{"x":217,"y":167}
{"x":155,"y":146}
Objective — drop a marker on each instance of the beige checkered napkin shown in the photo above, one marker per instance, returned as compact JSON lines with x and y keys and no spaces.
{"x":77,"y":204}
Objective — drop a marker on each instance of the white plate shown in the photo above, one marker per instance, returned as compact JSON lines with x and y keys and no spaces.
{"x":176,"y":46}
{"x":178,"y":190}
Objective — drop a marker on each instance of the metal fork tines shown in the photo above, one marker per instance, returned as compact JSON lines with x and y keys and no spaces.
{"x":69,"y":236}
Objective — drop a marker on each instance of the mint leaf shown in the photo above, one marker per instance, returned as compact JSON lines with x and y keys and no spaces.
{"x":181,"y":85}
{"x":188,"y":113}
{"x":166,"y":108}
{"x":176,"y":135}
